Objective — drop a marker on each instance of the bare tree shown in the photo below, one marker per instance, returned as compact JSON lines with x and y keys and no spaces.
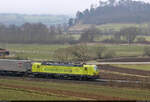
{"x":129,"y":34}
{"x":73,"y":53}
{"x":80,"y":52}
{"x":90,"y":34}
{"x":63,"y":55}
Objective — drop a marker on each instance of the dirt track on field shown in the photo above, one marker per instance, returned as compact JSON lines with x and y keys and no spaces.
{"x":109,"y":72}
{"x":48,"y":91}
{"x":126,"y":59}
{"x":125,"y":70}
{"x":124,"y":73}
{"x":116,"y":73}
{"x":111,"y":76}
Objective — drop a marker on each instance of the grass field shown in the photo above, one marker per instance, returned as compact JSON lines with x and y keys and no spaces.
{"x":118,"y":26}
{"x":11,"y":89}
{"x":14,"y":94}
{"x":45,"y":52}
{"x":147,"y":38}
{"x":32,"y":51}
{"x":124,"y":50}
{"x":111,"y":26}
{"x":106,"y":37}
{"x":138,"y":67}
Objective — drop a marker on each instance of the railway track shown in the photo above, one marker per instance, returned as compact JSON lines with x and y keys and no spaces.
{"x":46,"y":79}
{"x":106,"y":63}
{"x":41,"y":79}
{"x":98,"y":82}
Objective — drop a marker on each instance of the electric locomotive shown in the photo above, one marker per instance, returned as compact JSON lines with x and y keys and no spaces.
{"x":66,"y":70}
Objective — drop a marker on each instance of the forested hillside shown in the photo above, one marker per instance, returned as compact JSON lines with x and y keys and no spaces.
{"x":19,"y":19}
{"x":114,"y":11}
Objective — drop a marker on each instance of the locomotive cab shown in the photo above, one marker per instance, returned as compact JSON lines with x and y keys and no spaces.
{"x":92,"y":71}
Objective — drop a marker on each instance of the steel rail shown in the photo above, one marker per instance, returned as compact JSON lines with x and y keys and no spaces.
{"x":127,"y":63}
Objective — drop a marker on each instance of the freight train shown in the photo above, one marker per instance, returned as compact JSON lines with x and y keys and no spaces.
{"x":50,"y":69}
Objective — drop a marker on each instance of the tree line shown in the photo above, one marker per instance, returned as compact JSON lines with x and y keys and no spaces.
{"x":57,"y":34}
{"x":113,"y":11}
{"x":124,"y":35}
{"x":31,"y":33}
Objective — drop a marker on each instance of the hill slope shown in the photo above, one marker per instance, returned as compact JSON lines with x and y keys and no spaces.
{"x":19,"y":19}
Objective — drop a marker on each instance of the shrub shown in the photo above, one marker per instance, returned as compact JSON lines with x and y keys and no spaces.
{"x":141,"y":39}
{"x":147,"y":51}
{"x":108,"y":54}
{"x":63,"y":55}
{"x":112,"y":40}
{"x":99,"y":51}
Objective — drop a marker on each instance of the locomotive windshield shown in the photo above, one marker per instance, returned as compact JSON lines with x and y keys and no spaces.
{"x":96,"y":68}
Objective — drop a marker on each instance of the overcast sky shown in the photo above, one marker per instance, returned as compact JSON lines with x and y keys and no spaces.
{"x":45,"y":6}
